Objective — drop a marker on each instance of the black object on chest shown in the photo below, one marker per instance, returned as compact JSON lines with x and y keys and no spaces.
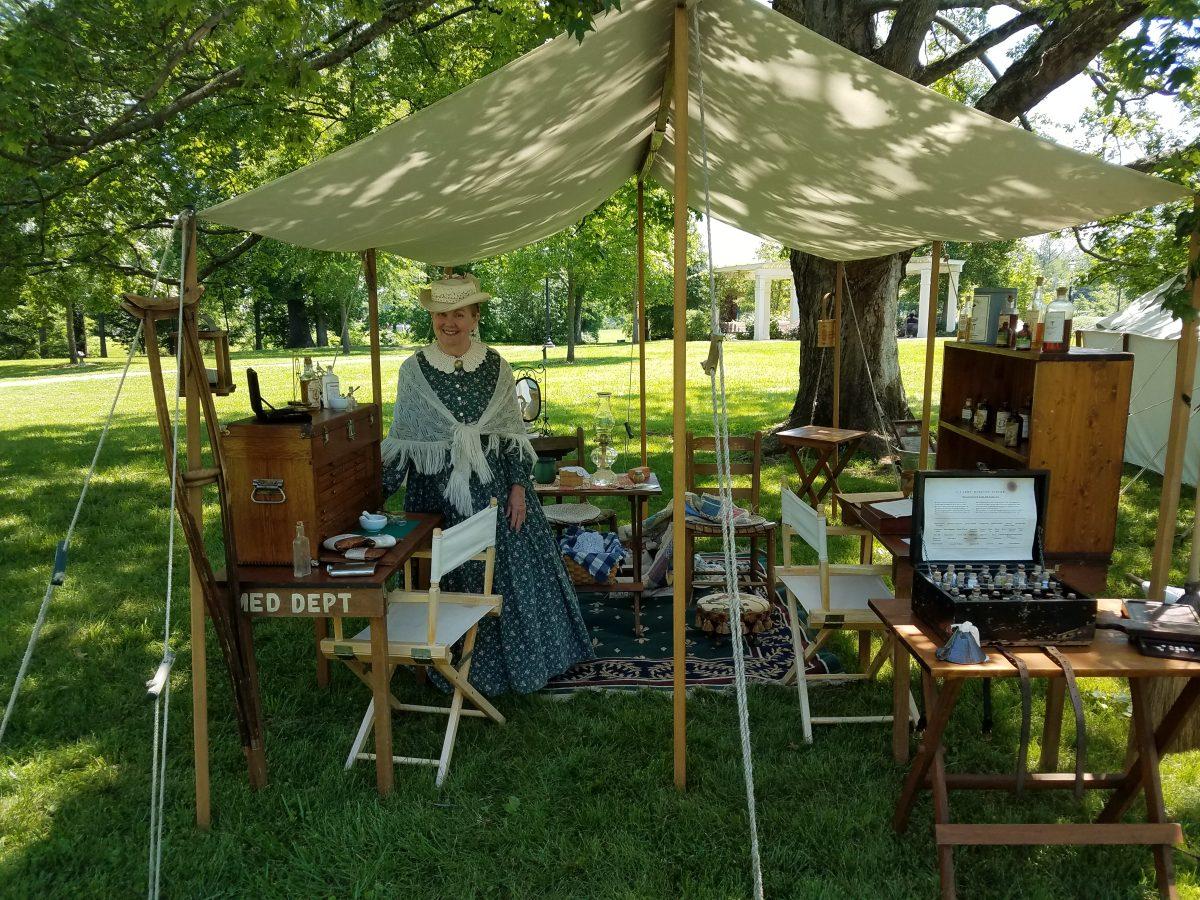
{"x":977,"y":556}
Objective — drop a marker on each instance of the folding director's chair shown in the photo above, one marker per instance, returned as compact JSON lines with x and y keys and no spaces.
{"x":835,"y":599}
{"x":423,"y":627}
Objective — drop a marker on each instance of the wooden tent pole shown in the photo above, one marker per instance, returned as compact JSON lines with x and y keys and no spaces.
{"x":1181,"y":410}
{"x":373,"y":321}
{"x":195,"y":508}
{"x":679,"y":395}
{"x":935,"y":264}
{"x":839,"y":276}
{"x":640,"y":325}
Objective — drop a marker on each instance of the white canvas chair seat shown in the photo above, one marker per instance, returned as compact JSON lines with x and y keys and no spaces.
{"x":835,"y":599}
{"x":848,"y":596}
{"x":423,"y":628}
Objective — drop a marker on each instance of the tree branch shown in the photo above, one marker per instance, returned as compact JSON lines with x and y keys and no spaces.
{"x":217,"y":261}
{"x":983,"y":60}
{"x":1063,"y":50}
{"x":901,"y":51}
{"x":974,"y":49}
{"x":1167,"y":158}
{"x":871,"y":7}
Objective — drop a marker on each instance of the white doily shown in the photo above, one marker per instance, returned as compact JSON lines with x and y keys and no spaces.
{"x":571,"y":513}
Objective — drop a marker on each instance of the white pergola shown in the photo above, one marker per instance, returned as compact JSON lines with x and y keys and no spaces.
{"x":923,"y":266}
{"x":765,"y":274}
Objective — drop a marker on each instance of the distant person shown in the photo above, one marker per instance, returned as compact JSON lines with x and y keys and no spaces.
{"x":910,"y":325}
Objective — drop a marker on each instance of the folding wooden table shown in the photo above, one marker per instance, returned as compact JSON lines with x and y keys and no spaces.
{"x":832,"y":448}
{"x":1109,"y":656}
{"x":274,"y":592}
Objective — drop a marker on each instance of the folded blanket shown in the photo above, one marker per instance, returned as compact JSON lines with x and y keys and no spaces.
{"x":598,"y":554}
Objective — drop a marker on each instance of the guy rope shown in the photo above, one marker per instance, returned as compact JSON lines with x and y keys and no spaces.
{"x":714,"y":367}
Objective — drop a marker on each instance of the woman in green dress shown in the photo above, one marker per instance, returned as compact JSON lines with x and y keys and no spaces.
{"x":457,"y":438}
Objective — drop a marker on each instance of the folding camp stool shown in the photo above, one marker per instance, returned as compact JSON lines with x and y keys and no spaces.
{"x":422,"y":629}
{"x":835,"y":599}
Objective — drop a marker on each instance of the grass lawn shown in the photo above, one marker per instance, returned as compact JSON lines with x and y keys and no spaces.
{"x":570,"y":798}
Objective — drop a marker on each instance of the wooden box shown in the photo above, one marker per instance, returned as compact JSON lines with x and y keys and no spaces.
{"x":322,"y":473}
{"x":983,"y":520}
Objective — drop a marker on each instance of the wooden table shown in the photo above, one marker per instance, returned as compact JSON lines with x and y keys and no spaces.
{"x":832,"y":447}
{"x":274,"y":592}
{"x":637,"y":497}
{"x":1109,"y":656}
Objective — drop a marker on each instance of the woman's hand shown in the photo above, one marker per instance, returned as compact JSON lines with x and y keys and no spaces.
{"x":516,"y":507}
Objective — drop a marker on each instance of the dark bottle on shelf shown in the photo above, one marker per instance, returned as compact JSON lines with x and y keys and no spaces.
{"x":1026,"y":413}
{"x":968,"y":414}
{"x":1002,"y":415}
{"x":1024,"y":339}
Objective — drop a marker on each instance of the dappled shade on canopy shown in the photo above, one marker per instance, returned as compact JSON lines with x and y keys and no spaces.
{"x":809,"y":143}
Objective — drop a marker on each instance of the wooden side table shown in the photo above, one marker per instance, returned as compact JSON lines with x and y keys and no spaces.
{"x":832,"y":448}
{"x":1109,"y":656}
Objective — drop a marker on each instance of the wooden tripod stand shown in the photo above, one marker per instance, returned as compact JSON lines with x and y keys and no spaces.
{"x":233,"y":630}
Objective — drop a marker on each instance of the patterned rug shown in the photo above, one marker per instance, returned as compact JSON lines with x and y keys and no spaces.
{"x":626,"y":662}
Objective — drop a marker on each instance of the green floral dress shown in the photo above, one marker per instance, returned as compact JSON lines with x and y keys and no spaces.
{"x":540,"y":632}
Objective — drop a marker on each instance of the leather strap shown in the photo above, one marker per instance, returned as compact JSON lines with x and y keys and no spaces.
{"x":1077,"y":706}
{"x":1026,"y":714}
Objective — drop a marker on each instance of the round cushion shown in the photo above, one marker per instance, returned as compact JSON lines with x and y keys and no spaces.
{"x":712,"y":613}
{"x":572,"y":513}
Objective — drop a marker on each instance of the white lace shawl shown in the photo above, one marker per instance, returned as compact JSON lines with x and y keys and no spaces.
{"x":423,"y":432}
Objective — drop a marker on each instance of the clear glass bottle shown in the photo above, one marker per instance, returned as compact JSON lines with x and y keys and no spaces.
{"x":1026,"y":412}
{"x":981,"y":417}
{"x":1002,"y":415}
{"x":1056,"y":336}
{"x":301,"y":555}
{"x":1037,"y":313}
{"x":968,"y":414}
{"x":1012,"y":431}
{"x":1010,"y":310}
{"x":307,"y":374}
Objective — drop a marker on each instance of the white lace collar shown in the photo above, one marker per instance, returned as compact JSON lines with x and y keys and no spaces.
{"x":444,"y":362}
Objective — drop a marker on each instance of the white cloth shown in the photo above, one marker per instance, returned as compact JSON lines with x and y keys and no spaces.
{"x":424,"y":431}
{"x":444,"y":362}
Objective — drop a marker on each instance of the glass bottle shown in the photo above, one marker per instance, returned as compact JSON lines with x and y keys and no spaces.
{"x":605,"y":453}
{"x":301,"y":557}
{"x":981,"y":417}
{"x":307,"y":375}
{"x":968,"y":414}
{"x":1012,"y":431}
{"x":1056,"y":336}
{"x":1026,"y":412}
{"x":1024,"y":338}
{"x":1003,"y":332}
{"x":1002,"y":415}
{"x":1010,"y":309}
{"x":1037,"y":314}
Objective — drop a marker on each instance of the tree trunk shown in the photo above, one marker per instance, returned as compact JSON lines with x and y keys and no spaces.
{"x":72,"y":353}
{"x":297,"y":319}
{"x":346,"y":327}
{"x":577,"y":322}
{"x":570,"y":316}
{"x":101,"y":325}
{"x":322,"y":331}
{"x":43,"y":337}
{"x":257,"y":324}
{"x":871,"y":298}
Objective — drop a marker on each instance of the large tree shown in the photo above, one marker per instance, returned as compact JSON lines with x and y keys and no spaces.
{"x":1130,"y":49}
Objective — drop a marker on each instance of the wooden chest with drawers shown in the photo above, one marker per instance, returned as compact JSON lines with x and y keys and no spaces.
{"x":322,"y":473}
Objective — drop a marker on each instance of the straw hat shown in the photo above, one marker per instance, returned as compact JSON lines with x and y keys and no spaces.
{"x":450,"y":293}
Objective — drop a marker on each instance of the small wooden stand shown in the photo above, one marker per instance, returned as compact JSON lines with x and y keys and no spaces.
{"x":833,"y":448}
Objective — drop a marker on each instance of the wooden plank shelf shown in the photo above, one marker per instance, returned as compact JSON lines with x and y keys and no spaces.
{"x":997,"y":446}
{"x":1075,"y":354}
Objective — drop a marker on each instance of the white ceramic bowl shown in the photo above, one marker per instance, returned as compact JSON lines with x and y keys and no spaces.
{"x":372,"y":522}
{"x":338,"y":404}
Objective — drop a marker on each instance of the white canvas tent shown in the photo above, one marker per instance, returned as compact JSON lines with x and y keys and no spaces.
{"x":809,"y":144}
{"x":1151,"y":334}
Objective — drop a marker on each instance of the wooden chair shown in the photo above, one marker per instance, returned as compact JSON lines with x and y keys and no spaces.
{"x":835,"y":598}
{"x":424,"y":626}
{"x":764,"y":531}
{"x":560,"y":448}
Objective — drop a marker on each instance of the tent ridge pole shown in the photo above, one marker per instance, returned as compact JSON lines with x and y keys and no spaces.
{"x":1185,"y":368}
{"x":679,"y":391}
{"x":935,"y":273}
{"x":369,"y":271}
{"x":839,"y":276}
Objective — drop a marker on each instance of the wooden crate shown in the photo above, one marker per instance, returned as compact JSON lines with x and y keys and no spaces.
{"x":1076,"y":432}
{"x":330,"y":472}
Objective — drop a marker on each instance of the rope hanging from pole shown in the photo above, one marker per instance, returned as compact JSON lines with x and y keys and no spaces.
{"x":58,"y":574}
{"x":720,"y":410}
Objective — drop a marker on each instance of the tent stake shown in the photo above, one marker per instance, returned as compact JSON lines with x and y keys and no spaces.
{"x":935,"y":263}
{"x":679,"y":391}
{"x":640,"y":324}
{"x":839,"y":275}
{"x":369,"y":271}
{"x":1181,"y":408}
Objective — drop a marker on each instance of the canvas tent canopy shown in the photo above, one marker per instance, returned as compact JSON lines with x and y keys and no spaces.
{"x":809,"y":144}
{"x":1151,"y":334}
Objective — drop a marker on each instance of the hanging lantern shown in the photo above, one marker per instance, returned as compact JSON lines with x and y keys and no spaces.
{"x":827,"y":324}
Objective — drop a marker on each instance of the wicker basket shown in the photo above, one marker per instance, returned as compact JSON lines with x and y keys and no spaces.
{"x":827,"y":325}
{"x":580,"y":575}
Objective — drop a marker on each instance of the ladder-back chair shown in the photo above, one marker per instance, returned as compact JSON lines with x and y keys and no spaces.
{"x":834,"y":597}
{"x":746,"y":497}
{"x":422,"y":629}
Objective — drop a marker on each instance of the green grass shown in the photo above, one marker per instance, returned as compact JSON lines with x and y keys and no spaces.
{"x":570,"y":798}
